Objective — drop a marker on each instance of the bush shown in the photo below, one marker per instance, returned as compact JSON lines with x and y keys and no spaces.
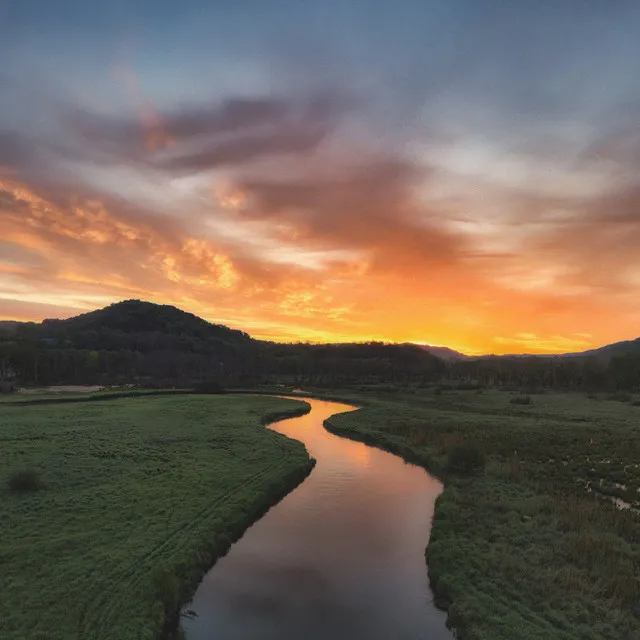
{"x":620,"y":396}
{"x":467,"y":386}
{"x":210,"y":386}
{"x":465,"y":459}
{"x":167,"y":591}
{"x":25,"y":481}
{"x":521,"y":400}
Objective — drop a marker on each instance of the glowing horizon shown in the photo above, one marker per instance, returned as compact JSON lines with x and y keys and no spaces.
{"x":551,"y":346}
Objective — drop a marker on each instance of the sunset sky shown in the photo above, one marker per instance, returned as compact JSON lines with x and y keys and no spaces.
{"x":452,"y":172}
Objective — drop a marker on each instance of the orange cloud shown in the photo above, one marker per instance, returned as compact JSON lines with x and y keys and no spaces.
{"x":410,"y":289}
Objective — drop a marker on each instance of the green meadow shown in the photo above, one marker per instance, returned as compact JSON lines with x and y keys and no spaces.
{"x":111,"y":512}
{"x":527,"y":543}
{"x":112,"y":509}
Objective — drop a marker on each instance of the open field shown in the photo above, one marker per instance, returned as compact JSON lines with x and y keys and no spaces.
{"x":135,"y":499}
{"x":531,"y":547}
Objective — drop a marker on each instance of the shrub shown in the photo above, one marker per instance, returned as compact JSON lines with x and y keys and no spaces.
{"x":467,"y":386}
{"x":223,"y":542}
{"x":465,"y":459}
{"x":209,"y":386}
{"x":25,"y":481}
{"x":521,"y":400}
{"x":620,"y":396}
{"x":167,"y":590}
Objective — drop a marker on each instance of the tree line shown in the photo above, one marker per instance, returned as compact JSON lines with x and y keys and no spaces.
{"x":576,"y":373}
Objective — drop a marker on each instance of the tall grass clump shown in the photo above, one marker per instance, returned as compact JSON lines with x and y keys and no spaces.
{"x":465,"y":459}
{"x":25,"y":481}
{"x":620,"y":396}
{"x":167,"y":591}
{"x":521,"y":400}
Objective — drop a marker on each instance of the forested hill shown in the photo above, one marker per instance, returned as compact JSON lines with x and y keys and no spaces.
{"x":624,"y":348}
{"x":159,"y":345}
{"x":138,"y":326}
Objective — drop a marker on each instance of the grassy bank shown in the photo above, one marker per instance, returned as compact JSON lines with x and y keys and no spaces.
{"x":532,"y":546}
{"x":49,"y":397}
{"x":111,"y":512}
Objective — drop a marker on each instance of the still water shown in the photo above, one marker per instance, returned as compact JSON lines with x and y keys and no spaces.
{"x":342,"y":556}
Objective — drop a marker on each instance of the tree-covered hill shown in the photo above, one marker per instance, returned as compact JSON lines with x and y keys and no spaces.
{"x":139,"y":326}
{"x":624,"y":348}
{"x":145,"y":343}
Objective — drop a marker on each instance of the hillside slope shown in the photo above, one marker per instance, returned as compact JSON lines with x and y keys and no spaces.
{"x":140,"y":326}
{"x":622,"y":348}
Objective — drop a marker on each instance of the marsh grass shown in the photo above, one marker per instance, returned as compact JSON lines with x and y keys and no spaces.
{"x":525,"y":400}
{"x":620,"y":396}
{"x":25,"y":481}
{"x":523,"y":551}
{"x":465,"y":459}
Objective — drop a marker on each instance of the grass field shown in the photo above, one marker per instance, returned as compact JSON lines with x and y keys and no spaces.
{"x":44,"y":396}
{"x":136,"y":498}
{"x":532,"y":547}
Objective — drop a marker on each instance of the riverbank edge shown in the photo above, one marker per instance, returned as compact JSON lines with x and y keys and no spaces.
{"x":99,"y":396}
{"x":421,"y":459}
{"x":212,"y":551}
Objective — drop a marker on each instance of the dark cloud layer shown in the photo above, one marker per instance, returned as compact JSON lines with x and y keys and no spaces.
{"x":231,"y":132}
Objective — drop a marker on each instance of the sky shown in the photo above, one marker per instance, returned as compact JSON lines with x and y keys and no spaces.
{"x":451,"y":172}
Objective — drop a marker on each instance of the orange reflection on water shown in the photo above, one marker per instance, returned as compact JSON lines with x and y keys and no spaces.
{"x":341,"y":556}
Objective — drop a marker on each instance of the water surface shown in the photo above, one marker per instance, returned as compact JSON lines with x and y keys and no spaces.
{"x":342,"y":556}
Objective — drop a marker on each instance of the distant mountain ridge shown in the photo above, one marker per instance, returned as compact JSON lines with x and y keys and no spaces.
{"x":444,"y":353}
{"x":605,"y":352}
{"x":610,"y":350}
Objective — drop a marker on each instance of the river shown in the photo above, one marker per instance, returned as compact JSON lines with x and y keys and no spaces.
{"x":340,"y":557}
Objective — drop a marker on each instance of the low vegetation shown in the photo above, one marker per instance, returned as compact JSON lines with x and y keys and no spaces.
{"x":465,"y":459}
{"x":531,"y":545}
{"x":141,"y":496}
{"x":24,"y":481}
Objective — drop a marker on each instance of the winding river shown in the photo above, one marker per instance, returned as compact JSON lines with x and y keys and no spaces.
{"x":340,"y":557}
